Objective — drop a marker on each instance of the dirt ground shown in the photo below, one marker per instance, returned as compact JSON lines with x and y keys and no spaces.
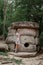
{"x":14,"y":60}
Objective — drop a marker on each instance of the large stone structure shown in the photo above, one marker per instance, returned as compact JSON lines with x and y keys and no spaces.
{"x":28,"y":39}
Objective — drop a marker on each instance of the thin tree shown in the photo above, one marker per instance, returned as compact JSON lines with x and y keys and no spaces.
{"x":4,"y":13}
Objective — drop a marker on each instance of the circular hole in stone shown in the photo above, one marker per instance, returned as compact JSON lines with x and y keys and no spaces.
{"x":26,"y":44}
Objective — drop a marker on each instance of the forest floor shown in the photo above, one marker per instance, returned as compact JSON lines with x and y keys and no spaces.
{"x":8,"y":59}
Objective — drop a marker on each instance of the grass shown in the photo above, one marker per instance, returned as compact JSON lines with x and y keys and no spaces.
{"x":3,"y":53}
{"x":17,"y":61}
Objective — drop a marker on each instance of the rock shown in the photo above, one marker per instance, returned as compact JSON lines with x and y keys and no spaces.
{"x":30,"y":48}
{"x":29,"y":32}
{"x":3,"y":45}
{"x":27,"y":37}
{"x":11,"y":32}
{"x":23,"y":54}
{"x":25,"y":24}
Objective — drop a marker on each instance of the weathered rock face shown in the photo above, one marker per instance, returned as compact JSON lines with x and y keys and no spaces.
{"x":3,"y":46}
{"x":28,"y":36}
{"x":27,"y":48}
{"x":31,"y":32}
{"x":28,"y":39}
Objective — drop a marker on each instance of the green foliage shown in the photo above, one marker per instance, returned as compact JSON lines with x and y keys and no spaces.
{"x":1,"y":29}
{"x":1,"y":9}
{"x":28,"y":9}
{"x":1,"y":17}
{"x":21,"y":10}
{"x":3,"y":53}
{"x":17,"y":61}
{"x":41,"y":39}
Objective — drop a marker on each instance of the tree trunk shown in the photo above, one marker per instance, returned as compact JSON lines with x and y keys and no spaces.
{"x":5,"y":12}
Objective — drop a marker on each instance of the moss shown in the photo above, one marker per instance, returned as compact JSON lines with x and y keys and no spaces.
{"x":3,"y":53}
{"x":17,"y":61}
